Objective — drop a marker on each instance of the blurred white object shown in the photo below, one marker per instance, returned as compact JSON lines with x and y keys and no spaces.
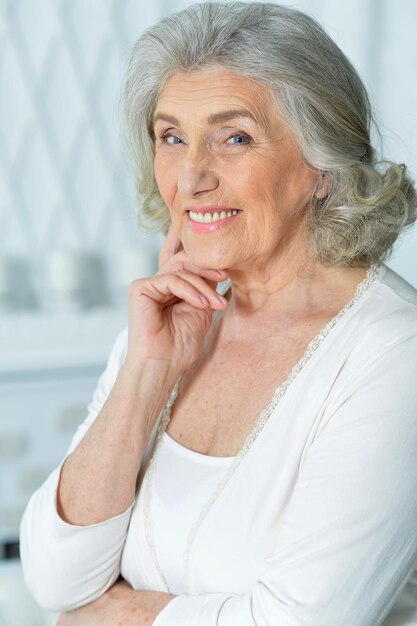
{"x":67,"y":273}
{"x":137,"y":263}
{"x":17,"y":607}
{"x":134,"y":262}
{"x":6,"y":298}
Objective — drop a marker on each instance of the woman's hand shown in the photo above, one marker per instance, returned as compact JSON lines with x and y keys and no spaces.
{"x":168,"y":320}
{"x":119,"y":605}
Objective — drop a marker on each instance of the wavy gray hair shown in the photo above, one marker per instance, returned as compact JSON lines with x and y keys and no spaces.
{"x":318,"y":93}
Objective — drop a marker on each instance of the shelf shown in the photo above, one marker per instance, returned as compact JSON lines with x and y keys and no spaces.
{"x":33,"y":342}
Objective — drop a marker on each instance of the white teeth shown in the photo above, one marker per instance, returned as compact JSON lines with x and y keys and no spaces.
{"x":208,"y":218}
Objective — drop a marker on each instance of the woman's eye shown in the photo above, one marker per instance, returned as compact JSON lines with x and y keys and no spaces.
{"x":165,"y":138}
{"x":240,"y":139}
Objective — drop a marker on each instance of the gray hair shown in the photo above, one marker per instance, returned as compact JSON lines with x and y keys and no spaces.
{"x":319,"y":95}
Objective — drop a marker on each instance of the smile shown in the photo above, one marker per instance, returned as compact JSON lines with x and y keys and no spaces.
{"x":209,"y":222}
{"x":209,"y":218}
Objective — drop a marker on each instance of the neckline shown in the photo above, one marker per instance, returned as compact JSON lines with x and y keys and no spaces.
{"x":371,"y":278}
{"x":194,"y":455}
{"x":374,"y":272}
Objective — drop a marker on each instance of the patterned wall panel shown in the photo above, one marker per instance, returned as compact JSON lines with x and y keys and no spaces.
{"x":63,"y":182}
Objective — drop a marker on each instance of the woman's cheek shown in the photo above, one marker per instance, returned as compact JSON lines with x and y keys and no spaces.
{"x":166,"y":179}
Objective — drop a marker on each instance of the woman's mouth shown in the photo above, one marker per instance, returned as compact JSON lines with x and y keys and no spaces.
{"x":211,"y":220}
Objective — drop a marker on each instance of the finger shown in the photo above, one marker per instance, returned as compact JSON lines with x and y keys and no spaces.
{"x":171,"y":246}
{"x":181,"y":262}
{"x":165,"y":288}
{"x":206,"y":287}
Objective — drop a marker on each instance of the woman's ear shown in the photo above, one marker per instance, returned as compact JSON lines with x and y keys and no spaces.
{"x":324,"y":183}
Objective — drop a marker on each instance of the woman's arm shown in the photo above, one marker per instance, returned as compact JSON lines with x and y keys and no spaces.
{"x":75,"y":526}
{"x":119,"y":605}
{"x":70,"y":559}
{"x":98,"y":480}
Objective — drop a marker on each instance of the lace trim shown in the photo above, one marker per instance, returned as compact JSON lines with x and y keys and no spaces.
{"x":371,"y":276}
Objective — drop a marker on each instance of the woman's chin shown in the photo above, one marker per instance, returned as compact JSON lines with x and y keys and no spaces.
{"x":209,"y":260}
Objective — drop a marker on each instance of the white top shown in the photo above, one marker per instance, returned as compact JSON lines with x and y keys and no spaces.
{"x":182,"y":482}
{"x":316,"y":523}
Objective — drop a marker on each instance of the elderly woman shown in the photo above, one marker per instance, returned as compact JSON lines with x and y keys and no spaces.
{"x":249,"y":455}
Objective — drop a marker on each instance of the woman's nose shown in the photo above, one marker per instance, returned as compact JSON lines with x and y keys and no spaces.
{"x":195,"y":176}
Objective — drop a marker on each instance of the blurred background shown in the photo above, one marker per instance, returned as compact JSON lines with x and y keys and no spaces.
{"x":69,"y":243}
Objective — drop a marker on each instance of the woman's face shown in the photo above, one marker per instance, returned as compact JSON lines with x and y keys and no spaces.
{"x":219,"y":142}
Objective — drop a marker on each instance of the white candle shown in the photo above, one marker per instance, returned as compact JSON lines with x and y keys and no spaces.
{"x":66,"y":271}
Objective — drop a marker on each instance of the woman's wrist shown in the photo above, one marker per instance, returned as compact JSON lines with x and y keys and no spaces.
{"x":147,"y":383}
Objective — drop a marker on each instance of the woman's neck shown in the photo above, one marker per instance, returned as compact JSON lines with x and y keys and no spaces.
{"x":283,"y":300}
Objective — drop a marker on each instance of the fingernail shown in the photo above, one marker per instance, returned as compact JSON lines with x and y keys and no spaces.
{"x":221,"y":272}
{"x":222,"y":299}
{"x":204,"y":300}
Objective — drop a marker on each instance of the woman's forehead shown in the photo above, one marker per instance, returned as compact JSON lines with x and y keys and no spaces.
{"x":209,"y":93}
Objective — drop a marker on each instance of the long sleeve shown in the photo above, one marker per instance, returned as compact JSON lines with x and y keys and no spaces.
{"x":65,"y":565}
{"x":347,"y":539}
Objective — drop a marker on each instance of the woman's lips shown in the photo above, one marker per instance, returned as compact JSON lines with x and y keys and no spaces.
{"x":198,"y":227}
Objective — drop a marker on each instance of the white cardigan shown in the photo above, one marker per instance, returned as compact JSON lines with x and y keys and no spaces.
{"x":318,"y":524}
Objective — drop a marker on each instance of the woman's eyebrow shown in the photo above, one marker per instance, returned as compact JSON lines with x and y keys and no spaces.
{"x":215,"y":118}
